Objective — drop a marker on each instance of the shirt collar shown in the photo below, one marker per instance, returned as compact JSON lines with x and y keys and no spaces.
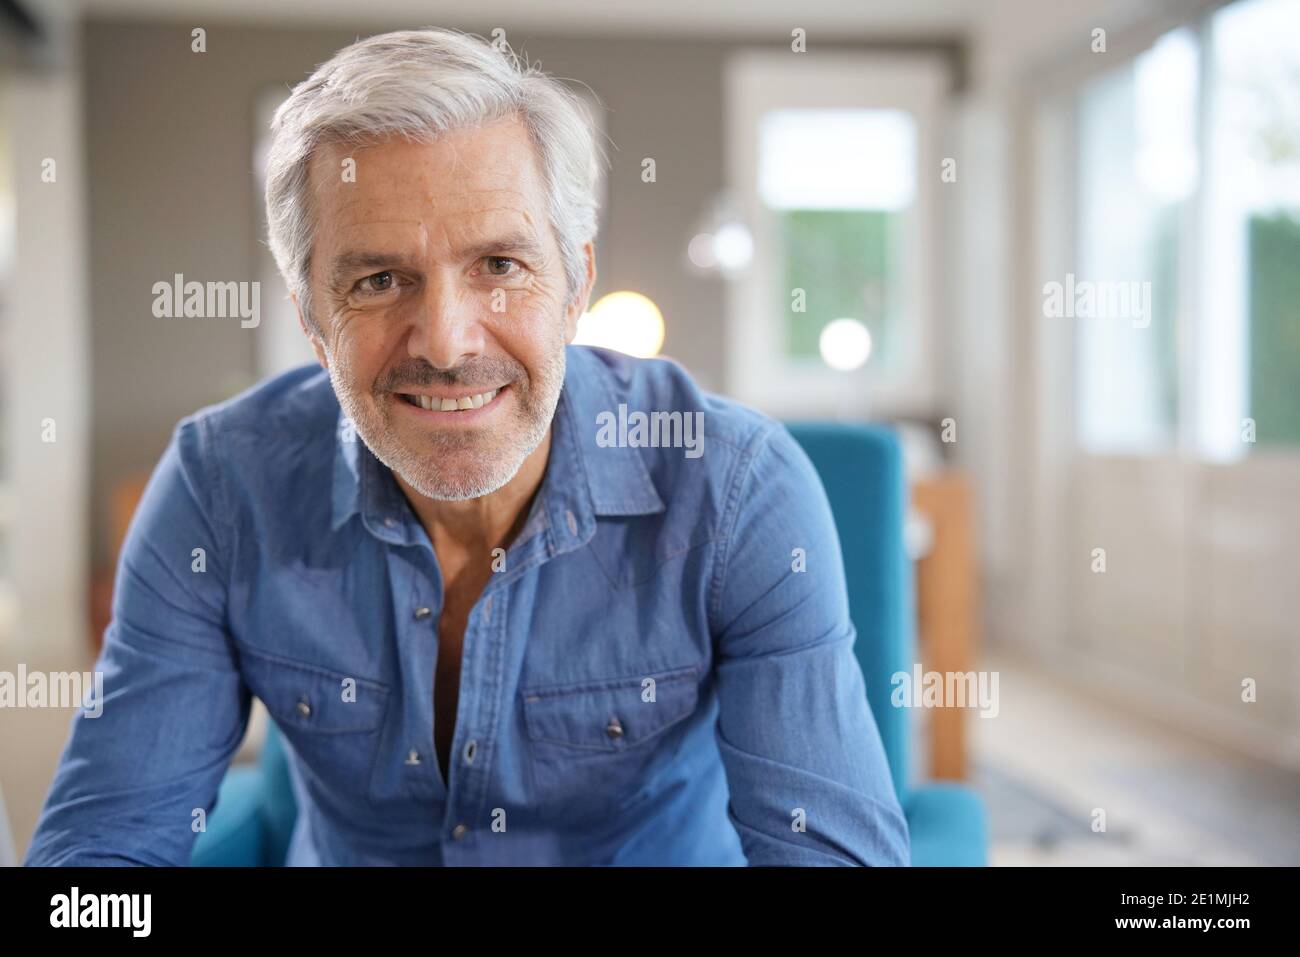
{"x":583,"y":480}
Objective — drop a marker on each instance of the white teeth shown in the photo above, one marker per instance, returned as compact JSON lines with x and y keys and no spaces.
{"x":434,"y":404}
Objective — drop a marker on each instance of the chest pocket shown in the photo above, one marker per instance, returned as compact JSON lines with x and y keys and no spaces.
{"x":593,"y":744}
{"x":332,"y":720}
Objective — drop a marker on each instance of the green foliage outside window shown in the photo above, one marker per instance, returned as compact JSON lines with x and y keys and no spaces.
{"x":1274,"y":290}
{"x":847,"y":262}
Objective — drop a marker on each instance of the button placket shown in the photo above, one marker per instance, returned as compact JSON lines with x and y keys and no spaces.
{"x":406,"y":768}
{"x":481,"y":678}
{"x":420,"y":613}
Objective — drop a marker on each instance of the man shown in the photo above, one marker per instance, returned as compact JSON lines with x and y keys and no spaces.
{"x":490,"y":629}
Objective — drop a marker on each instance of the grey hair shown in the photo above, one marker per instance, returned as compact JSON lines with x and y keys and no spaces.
{"x":418,"y":84}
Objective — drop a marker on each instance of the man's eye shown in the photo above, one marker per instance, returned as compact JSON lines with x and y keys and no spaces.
{"x":500,"y":265}
{"x":379,"y":282}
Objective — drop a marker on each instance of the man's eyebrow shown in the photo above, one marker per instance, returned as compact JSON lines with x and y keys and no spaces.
{"x":521,"y":243}
{"x":353,"y":259}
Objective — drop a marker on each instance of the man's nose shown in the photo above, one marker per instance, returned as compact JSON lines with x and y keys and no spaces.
{"x":447,"y":329}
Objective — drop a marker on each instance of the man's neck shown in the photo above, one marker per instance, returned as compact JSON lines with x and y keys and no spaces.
{"x":476,"y":524}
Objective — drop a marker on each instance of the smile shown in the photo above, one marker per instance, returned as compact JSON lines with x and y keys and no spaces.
{"x":463,"y":403}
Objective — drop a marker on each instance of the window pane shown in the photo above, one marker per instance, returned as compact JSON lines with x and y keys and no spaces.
{"x":1137,"y":170}
{"x":846,"y":260}
{"x":7,"y":232}
{"x":1274,"y":252}
{"x":1252,"y":348}
{"x":840,"y":185}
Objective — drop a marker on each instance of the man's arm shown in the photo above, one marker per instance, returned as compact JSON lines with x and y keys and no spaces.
{"x":805,"y":766}
{"x":174,"y":705}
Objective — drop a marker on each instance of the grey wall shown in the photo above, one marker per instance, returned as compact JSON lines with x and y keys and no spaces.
{"x":169,"y":151}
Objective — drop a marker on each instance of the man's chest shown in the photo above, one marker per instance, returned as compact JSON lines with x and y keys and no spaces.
{"x":383,"y":671}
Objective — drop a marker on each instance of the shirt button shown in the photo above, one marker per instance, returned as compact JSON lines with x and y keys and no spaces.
{"x":471,"y":748}
{"x":423,"y":612}
{"x":304,"y":708}
{"x":413,"y":758}
{"x":390,"y":522}
{"x":614,"y":729}
{"x":459,"y":831}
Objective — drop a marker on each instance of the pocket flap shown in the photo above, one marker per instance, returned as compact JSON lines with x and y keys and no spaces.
{"x":612,"y":714}
{"x":309,"y":698}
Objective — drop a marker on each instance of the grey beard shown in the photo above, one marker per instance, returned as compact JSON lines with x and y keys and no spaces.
{"x":488,"y":473}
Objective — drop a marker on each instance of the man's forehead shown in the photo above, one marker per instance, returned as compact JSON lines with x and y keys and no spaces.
{"x":413,"y":238}
{"x":483,"y":158}
{"x":407,"y":191}
{"x":401,"y":198}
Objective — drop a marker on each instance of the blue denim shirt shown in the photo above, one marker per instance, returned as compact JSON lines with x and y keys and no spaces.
{"x":647,"y":679}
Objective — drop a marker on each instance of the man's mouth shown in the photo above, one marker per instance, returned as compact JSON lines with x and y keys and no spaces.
{"x":462,"y":403}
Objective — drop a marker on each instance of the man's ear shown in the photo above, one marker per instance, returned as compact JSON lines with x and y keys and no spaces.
{"x":579,"y":306}
{"x":312,"y":336}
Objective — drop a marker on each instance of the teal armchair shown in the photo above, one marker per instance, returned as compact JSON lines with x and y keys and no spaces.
{"x":253,"y":819}
{"x":861,"y":467}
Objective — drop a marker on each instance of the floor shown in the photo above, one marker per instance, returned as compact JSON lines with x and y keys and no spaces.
{"x":1053,"y":756}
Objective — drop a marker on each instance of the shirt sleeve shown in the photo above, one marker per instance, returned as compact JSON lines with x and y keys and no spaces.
{"x":174,"y":707}
{"x":805,"y":765}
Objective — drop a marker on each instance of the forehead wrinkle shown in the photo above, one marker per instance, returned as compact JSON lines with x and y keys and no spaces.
{"x":519,"y":240}
{"x":415,"y":228}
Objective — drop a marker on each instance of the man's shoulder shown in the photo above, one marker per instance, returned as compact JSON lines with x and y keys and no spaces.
{"x":664,"y":386}
{"x":302,"y":397}
{"x":280,"y":418}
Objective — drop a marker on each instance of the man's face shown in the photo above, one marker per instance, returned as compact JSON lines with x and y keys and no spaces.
{"x":436,"y":280}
